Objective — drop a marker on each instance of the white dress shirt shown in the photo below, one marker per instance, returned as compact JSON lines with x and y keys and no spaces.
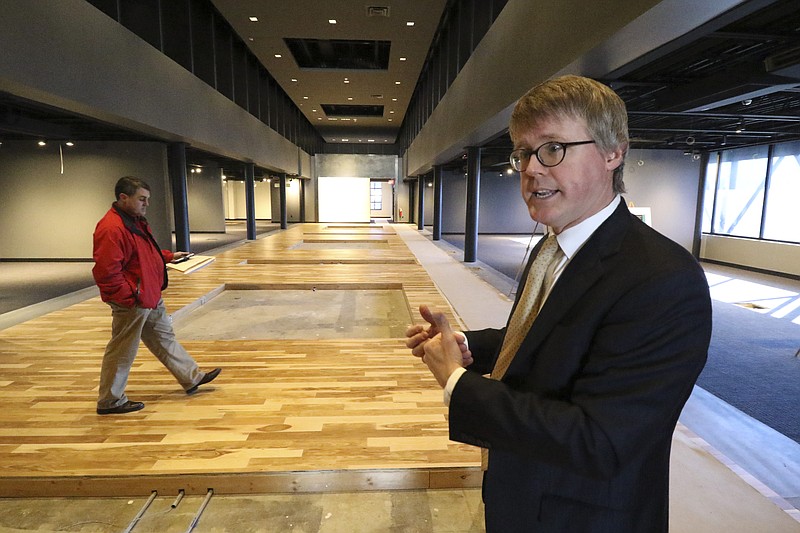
{"x":570,"y":241}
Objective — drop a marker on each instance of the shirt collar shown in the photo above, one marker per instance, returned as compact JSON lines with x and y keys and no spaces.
{"x":572,"y":239}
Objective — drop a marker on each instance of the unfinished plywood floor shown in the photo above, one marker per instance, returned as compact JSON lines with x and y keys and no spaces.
{"x":285,"y":415}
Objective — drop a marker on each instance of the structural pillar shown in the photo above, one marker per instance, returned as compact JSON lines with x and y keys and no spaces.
{"x":437,"y":202}
{"x":473,"y":201}
{"x":176,"y":155}
{"x":302,"y":184}
{"x":284,"y":224}
{"x":250,"y":199}
{"x":421,"y":203}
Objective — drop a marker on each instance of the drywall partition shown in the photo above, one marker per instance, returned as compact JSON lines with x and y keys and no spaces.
{"x":204,"y":196}
{"x":532,"y":40}
{"x":83,"y":61}
{"x":751,"y":253}
{"x":48,"y":214}
{"x":343,"y":199}
{"x":668,"y":183}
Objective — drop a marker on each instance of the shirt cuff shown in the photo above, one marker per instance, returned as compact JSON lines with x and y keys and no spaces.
{"x":451,"y":384}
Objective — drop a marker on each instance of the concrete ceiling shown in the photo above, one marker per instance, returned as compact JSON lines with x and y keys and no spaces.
{"x":309,"y":19}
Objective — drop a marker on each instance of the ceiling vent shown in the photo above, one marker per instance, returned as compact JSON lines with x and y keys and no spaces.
{"x":378,"y":11}
{"x":378,"y":96}
{"x":340,"y":110}
{"x":786,"y":63}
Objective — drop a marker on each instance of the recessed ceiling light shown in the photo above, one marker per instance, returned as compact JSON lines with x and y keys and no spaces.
{"x":305,"y":98}
{"x":402,"y":59}
{"x":42,"y":143}
{"x":370,"y":140}
{"x":397,"y":83}
{"x":390,"y":120}
{"x":410,"y":23}
{"x":394,"y":99}
{"x":391,"y":112}
{"x":70,"y":143}
{"x":319,"y":118}
{"x":250,"y":39}
{"x":349,"y":97}
{"x":345,"y":140}
{"x":253,"y":19}
{"x":331,"y":21}
{"x":294,"y":79}
{"x":313,"y":110}
{"x":347,"y":81}
{"x":278,"y":56}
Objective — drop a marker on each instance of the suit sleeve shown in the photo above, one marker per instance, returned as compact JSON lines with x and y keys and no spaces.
{"x":484,"y":345}
{"x":631,"y":369}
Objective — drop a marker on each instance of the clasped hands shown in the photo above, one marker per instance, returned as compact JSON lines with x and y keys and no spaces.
{"x":442,"y":349}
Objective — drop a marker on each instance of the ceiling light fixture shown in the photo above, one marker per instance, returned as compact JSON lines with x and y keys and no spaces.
{"x":410,"y":23}
{"x":278,"y":56}
{"x":397,"y":83}
{"x":70,"y":143}
{"x":294,"y":80}
{"x":305,"y":98}
{"x":402,"y":59}
{"x":331,"y":21}
{"x":42,"y":143}
{"x":394,"y":99}
{"x":253,"y":19}
{"x":350,"y":98}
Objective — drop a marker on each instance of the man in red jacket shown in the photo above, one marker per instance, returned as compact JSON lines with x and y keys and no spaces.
{"x":130,"y":270}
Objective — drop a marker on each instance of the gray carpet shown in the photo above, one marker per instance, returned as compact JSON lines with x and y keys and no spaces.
{"x":752,"y":366}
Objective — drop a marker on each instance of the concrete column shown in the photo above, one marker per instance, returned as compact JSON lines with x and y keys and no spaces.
{"x":473,"y":200}
{"x":176,"y":157}
{"x":250,"y":199}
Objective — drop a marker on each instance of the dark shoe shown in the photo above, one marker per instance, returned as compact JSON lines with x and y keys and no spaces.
{"x":127,"y":407}
{"x":208,"y":377}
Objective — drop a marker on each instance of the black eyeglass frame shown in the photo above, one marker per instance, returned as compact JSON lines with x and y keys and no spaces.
{"x":527,"y":153}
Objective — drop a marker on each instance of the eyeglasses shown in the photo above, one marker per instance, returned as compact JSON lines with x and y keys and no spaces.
{"x":549,"y":154}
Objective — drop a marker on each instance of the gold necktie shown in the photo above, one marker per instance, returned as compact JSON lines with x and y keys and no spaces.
{"x":527,"y":308}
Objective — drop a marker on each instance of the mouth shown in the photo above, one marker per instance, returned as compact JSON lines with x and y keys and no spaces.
{"x":544,"y":193}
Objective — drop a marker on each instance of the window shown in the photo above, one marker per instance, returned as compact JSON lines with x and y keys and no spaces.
{"x":782,"y":219}
{"x":740,"y":192}
{"x":375,"y":195}
{"x":752,"y":192}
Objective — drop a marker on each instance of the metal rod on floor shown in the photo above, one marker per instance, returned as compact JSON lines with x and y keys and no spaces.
{"x":141,"y":512}
{"x":178,"y":499}
{"x":200,"y":511}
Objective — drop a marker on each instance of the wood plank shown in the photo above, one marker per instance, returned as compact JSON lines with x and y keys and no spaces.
{"x":285,"y":415}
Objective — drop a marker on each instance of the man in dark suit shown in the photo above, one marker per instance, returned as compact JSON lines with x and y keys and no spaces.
{"x":579,"y":409}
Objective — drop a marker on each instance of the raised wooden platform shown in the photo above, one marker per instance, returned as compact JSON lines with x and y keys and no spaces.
{"x":284,"y":416}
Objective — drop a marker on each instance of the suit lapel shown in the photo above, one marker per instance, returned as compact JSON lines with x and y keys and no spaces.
{"x":582,"y":272}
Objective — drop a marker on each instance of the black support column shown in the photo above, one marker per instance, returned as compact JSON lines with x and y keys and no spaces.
{"x":437,"y":202}
{"x":250,"y":199}
{"x":176,"y":156}
{"x":284,"y":217}
{"x":302,"y":184}
{"x":421,"y":203}
{"x":473,"y":201}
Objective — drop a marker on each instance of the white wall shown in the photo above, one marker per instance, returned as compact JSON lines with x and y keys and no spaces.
{"x":236,"y":200}
{"x":751,"y":253}
{"x":49,"y":215}
{"x":343,"y":199}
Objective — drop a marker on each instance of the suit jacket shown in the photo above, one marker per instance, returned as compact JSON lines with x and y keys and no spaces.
{"x":580,"y":427}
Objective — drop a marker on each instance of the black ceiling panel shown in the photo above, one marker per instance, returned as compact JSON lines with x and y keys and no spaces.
{"x":339,"y":54}
{"x":341,"y":110}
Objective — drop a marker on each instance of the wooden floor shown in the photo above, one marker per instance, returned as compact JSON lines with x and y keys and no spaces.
{"x":286,"y":416}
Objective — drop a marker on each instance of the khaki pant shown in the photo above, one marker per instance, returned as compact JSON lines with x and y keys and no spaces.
{"x":154,"y":328}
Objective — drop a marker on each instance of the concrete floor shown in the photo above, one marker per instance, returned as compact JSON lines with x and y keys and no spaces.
{"x":457,"y":511}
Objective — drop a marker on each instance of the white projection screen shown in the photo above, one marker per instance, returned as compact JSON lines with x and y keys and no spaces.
{"x":343,"y":199}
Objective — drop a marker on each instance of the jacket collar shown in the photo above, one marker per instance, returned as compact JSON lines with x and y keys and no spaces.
{"x":129,"y":221}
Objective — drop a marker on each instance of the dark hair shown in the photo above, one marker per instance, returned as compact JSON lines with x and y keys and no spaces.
{"x":580,"y":98}
{"x":128,"y":185}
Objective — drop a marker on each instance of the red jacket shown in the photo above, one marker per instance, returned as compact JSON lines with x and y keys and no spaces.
{"x":129,"y":269}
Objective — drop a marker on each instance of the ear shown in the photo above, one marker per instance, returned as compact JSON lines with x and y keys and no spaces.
{"x":615,"y":158}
